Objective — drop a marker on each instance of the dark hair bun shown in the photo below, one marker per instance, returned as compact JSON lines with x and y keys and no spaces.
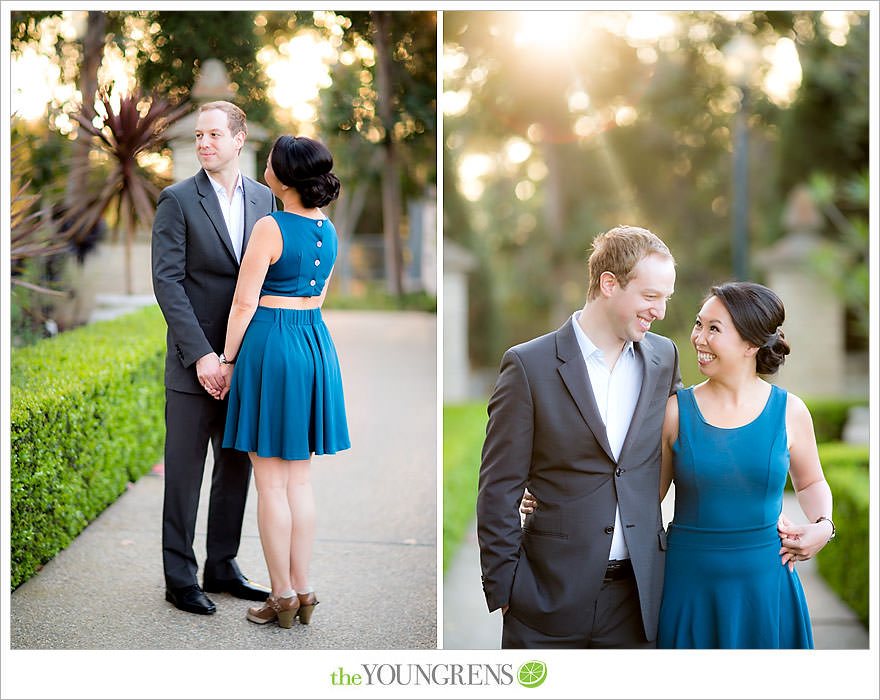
{"x":771,"y":356}
{"x":318,"y":191}
{"x":305,"y":164}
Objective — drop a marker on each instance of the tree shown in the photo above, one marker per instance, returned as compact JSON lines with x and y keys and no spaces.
{"x":551,"y":141}
{"x":133,"y":129}
{"x":381,"y":115}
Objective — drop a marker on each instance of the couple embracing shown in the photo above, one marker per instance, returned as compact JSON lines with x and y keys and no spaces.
{"x":592,"y":420}
{"x":241,"y":286}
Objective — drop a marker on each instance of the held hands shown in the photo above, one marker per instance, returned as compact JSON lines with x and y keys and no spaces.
{"x":801,"y":542}
{"x":213,"y":376}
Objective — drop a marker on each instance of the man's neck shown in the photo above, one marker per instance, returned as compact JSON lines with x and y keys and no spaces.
{"x":595,"y":326}
{"x":228,"y":178}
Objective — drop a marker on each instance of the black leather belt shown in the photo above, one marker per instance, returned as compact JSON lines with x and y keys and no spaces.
{"x":618,"y":569}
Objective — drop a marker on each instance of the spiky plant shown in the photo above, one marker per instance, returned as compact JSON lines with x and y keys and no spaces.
{"x":32,"y":234}
{"x":136,"y":127}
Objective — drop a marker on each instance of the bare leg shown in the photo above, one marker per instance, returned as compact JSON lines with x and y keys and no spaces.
{"x":272,"y":477}
{"x":301,"y":501}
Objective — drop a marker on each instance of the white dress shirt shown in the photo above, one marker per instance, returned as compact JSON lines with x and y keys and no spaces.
{"x":233,"y":212}
{"x":616,"y":391}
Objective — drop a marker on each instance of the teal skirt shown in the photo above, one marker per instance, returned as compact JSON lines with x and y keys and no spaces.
{"x":286,"y":395}
{"x":727,"y":589}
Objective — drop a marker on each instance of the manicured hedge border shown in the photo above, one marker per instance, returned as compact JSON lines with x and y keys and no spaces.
{"x":86,"y":419}
{"x":843,"y":562}
{"x":829,"y":416}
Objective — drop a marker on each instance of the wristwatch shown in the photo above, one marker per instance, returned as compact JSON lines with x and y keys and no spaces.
{"x":833,"y":529}
{"x":224,"y":361}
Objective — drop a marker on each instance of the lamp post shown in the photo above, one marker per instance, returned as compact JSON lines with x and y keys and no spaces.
{"x":741,"y":57}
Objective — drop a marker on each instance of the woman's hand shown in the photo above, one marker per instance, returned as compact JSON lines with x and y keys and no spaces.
{"x":528,"y":503}
{"x":226,"y":371}
{"x":801,"y":542}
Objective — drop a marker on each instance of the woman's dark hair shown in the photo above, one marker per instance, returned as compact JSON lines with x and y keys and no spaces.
{"x":757,"y":314}
{"x":305,"y":165}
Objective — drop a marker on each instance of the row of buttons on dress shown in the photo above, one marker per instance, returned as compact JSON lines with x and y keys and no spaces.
{"x":317,"y":262}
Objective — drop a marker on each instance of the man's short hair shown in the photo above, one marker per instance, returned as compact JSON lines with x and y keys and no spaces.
{"x":235,"y":116}
{"x":618,"y":251}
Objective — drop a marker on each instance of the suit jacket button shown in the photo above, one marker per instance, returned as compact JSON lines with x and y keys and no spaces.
{"x":609,"y":530}
{"x":619,"y":471}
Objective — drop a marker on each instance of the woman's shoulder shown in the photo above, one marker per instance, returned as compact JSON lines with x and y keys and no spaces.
{"x":795,"y":407}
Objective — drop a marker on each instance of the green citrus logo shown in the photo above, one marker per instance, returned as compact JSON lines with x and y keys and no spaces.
{"x":532,"y":673}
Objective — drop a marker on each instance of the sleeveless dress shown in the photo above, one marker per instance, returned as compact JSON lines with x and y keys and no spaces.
{"x":285,"y":398}
{"x":725,"y":586}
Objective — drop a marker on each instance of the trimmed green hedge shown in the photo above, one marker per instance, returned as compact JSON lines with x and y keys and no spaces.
{"x":829,"y":416}
{"x":86,"y":419}
{"x":843,"y":562}
{"x":464,"y":429}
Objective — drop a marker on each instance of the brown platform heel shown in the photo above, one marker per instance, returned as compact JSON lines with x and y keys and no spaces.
{"x":283,"y":610}
{"x":261,"y":614}
{"x":307,"y":603}
{"x":286,"y":609}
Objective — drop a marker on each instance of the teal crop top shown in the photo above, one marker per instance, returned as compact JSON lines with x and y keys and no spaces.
{"x":306,"y":259}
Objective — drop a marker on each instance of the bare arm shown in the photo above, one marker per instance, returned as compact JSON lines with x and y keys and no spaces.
{"x":670,"y":435}
{"x":813,"y":492}
{"x":264,"y":248}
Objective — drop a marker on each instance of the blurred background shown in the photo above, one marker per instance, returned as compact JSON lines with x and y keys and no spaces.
{"x":102,"y":107}
{"x":740,"y":138}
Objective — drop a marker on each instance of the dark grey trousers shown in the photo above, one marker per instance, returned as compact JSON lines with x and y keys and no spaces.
{"x":191,"y":423}
{"x":616,"y":623}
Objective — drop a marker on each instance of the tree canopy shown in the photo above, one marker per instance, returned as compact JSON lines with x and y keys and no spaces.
{"x":558,"y":131}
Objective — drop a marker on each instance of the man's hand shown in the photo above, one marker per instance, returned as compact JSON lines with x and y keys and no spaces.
{"x":801,"y":542}
{"x":209,"y":374}
{"x":528,"y":503}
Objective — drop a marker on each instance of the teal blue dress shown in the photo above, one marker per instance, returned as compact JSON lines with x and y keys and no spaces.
{"x":725,"y":585}
{"x":285,"y":397}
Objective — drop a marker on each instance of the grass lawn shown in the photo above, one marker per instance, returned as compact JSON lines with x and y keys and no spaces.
{"x":464,"y":428}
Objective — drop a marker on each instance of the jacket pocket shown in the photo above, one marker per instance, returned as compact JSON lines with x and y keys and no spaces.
{"x":544,"y":524}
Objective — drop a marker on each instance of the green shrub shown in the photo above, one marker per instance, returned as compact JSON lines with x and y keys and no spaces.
{"x":829,"y":416}
{"x":86,"y":419}
{"x":843,"y":562}
{"x":464,"y":429}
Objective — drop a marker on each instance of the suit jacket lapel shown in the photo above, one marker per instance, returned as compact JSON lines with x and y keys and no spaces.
{"x":212,"y":209}
{"x":251,"y":211}
{"x":651,"y":366}
{"x":574,"y":375}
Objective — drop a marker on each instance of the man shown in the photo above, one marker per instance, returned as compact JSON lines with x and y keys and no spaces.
{"x":200,"y":232}
{"x":576,"y":416}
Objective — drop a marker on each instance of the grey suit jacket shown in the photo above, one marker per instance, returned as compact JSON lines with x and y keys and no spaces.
{"x":195,"y":270}
{"x":545,"y":432}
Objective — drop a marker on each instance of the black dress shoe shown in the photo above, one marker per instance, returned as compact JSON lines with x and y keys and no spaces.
{"x":239,"y":587}
{"x":190,"y":599}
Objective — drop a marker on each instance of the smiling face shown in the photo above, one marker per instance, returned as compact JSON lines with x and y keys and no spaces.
{"x":718,"y":344}
{"x":217,"y":149}
{"x":633,"y":308}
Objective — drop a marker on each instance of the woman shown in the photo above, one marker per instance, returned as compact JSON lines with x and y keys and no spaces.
{"x":285,"y":394}
{"x":728,"y":444}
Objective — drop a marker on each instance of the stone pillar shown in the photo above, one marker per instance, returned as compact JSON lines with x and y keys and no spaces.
{"x":212,"y":84}
{"x":814,"y":315}
{"x":457,"y":262}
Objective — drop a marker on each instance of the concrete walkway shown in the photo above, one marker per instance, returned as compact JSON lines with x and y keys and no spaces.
{"x":375,"y":559}
{"x":468,"y":625}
